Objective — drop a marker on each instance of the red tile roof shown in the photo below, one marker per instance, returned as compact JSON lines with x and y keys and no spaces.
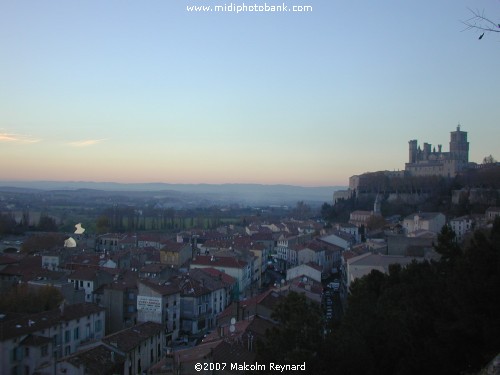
{"x":165,"y":288}
{"x":129,"y":338}
{"x":31,"y":323}
{"x":214,"y":261}
{"x":229,"y":280}
{"x":173,"y":246}
{"x":97,"y":360}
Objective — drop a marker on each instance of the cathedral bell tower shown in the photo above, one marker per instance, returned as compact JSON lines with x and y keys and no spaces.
{"x":459,"y":147}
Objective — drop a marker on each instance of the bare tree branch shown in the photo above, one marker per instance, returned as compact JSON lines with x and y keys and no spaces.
{"x":479,"y":21}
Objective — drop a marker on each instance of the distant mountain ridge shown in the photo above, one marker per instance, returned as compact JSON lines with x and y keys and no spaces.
{"x":250,"y":193}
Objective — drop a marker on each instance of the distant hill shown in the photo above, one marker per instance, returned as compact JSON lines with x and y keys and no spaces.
{"x":228,"y":193}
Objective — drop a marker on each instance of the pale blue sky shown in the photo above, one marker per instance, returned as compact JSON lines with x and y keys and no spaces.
{"x":142,"y":90}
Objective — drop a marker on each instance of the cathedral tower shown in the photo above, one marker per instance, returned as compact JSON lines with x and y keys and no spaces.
{"x":459,"y":147}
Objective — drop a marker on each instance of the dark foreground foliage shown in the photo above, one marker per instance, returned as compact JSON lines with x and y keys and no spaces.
{"x":23,"y":298}
{"x":428,"y":318}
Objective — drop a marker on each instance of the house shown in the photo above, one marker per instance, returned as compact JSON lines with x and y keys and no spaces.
{"x":119,"y":298}
{"x":196,"y":310}
{"x":267,"y":239}
{"x":260,"y":254}
{"x":149,"y":240}
{"x":219,"y":283}
{"x":89,"y":279}
{"x":359,"y":217}
{"x":461,"y":226}
{"x":310,"y":270}
{"x":350,"y":229}
{"x":25,"y":269}
{"x":341,"y":239}
{"x":262,"y":304}
{"x":286,"y":252}
{"x":51,"y":261}
{"x":100,"y":360}
{"x":175,"y":253}
{"x":142,"y":346}
{"x":156,"y":271}
{"x":109,"y":242}
{"x":311,"y":289}
{"x":491,"y":213}
{"x":429,"y":221}
{"x":160,"y":302}
{"x":239,"y":269}
{"x":313,"y":252}
{"x":30,"y":343}
{"x":122,"y":258}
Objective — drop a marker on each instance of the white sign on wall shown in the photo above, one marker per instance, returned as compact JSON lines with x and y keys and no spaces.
{"x":149,"y":304}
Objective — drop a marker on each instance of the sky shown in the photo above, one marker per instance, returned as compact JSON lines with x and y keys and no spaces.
{"x":147,"y":91}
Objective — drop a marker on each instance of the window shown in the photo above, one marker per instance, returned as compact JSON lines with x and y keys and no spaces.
{"x":67,"y":350}
{"x":76,"y":333}
{"x":81,"y":283}
{"x":98,"y":325}
{"x":67,"y":336}
{"x":88,"y":284}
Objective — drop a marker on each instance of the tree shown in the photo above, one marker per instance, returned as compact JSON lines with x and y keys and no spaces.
{"x":326,"y":211}
{"x":428,"y":317}
{"x":489,"y":160}
{"x":41,"y":242}
{"x":47,"y":224}
{"x":480,"y":22}
{"x":103,"y":225}
{"x":302,"y":210}
{"x":7,"y":224}
{"x":375,"y":222}
{"x":298,"y":336}
{"x":25,"y":299}
{"x":447,"y":245}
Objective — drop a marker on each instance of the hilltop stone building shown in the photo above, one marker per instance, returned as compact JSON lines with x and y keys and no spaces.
{"x":428,"y":161}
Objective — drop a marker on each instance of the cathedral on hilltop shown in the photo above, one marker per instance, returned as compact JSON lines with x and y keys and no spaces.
{"x":428,"y":161}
